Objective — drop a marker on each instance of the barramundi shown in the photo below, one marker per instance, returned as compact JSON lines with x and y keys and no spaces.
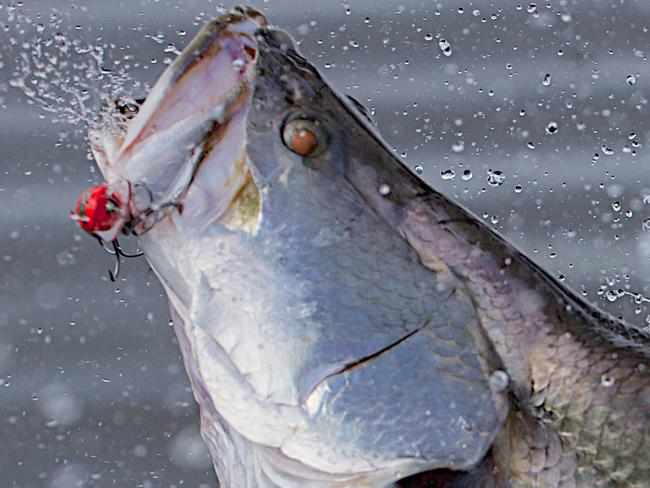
{"x":342,"y":323}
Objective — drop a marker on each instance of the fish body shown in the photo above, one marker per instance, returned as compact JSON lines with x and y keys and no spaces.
{"x":342,"y":323}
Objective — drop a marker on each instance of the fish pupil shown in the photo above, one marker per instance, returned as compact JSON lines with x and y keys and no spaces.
{"x":304,"y":142}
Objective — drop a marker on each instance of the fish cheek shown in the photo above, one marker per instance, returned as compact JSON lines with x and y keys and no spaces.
{"x":266,"y":154}
{"x":318,"y":163}
{"x":244,"y":211}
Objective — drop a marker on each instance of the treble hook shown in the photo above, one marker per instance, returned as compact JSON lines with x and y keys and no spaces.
{"x":158,"y":213}
{"x":101,"y":243}
{"x":117,"y":251}
{"x":118,"y":248}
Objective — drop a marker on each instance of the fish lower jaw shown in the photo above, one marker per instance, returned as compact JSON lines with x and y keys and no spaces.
{"x":250,"y":465}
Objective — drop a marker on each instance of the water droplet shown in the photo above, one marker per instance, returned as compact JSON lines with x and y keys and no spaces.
{"x":445,"y":47}
{"x":531,"y":145}
{"x":611,"y":295}
{"x":518,"y":189}
{"x":49,"y":296}
{"x":458,"y":147}
{"x":547,"y":79}
{"x":384,"y":189}
{"x":552,"y":127}
{"x":607,"y":150}
{"x":532,"y":8}
{"x":646,"y":224}
{"x":188,"y":450}
{"x":419,"y":169}
{"x":630,"y":79}
{"x":607,"y":380}
{"x":499,"y":380}
{"x":448,"y":174}
{"x":495,"y":178}
{"x":467,"y":175}
{"x":171,"y":48}
{"x":140,"y":450}
{"x":17,"y":82}
{"x":59,"y":405}
{"x":60,"y":37}
{"x":428,"y":37}
{"x":616,"y":206}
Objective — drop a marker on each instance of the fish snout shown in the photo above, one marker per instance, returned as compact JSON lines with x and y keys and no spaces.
{"x":189,"y":131}
{"x":251,"y":14}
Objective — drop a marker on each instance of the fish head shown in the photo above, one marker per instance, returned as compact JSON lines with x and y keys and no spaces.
{"x":319,"y":347}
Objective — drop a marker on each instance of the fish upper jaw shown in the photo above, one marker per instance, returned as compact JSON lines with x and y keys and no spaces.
{"x":186,"y":141}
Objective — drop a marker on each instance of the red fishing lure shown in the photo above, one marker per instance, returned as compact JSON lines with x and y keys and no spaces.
{"x":98,"y":210}
{"x":104,"y":214}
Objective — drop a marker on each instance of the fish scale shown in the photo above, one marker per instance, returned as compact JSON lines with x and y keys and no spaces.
{"x":595,"y":432}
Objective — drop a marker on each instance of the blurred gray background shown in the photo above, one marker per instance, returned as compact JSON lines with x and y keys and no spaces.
{"x":553,"y":95}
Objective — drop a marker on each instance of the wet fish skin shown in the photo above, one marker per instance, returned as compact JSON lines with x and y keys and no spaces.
{"x":579,"y":377}
{"x":342,"y":321}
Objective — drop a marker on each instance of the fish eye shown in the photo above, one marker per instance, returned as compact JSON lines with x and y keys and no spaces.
{"x":304,"y":136}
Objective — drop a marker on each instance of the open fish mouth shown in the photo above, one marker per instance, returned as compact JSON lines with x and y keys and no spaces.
{"x":183,"y":147}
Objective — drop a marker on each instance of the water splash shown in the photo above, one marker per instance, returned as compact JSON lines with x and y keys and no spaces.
{"x":60,"y":70}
